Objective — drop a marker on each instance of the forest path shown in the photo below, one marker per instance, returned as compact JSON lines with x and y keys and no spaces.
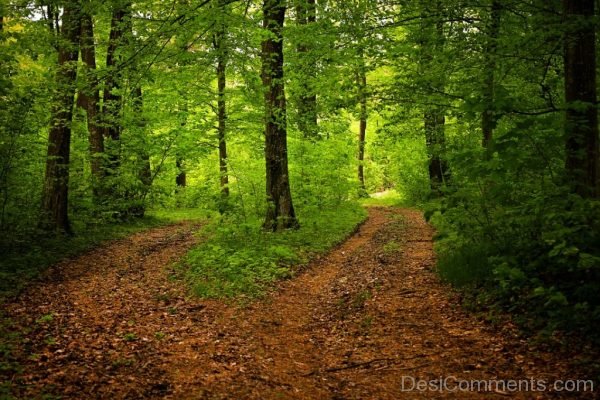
{"x":349,"y":326}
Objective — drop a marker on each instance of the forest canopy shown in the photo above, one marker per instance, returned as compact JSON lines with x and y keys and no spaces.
{"x":275,"y":114}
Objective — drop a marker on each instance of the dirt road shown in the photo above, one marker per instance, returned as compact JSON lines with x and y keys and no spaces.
{"x":368,"y":321}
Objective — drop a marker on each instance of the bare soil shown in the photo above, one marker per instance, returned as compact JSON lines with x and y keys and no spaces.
{"x":116,"y":323}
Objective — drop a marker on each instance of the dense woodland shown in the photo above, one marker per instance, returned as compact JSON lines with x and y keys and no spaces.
{"x":278,"y":117}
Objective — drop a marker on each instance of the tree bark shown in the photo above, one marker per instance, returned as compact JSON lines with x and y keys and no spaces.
{"x":434,"y":116}
{"x":362,"y":131}
{"x":280,"y":210}
{"x":55,"y":197}
{"x":51,"y":18}
{"x":434,"y":123}
{"x":221,"y":49}
{"x":120,"y":31}
{"x":89,"y":100}
{"x":488,"y":117}
{"x":307,"y":103}
{"x":181,"y":178}
{"x":581,"y":127}
{"x":144,"y":172}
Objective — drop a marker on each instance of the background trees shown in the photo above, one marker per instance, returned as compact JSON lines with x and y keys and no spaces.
{"x":55,"y":197}
{"x":483,"y":110}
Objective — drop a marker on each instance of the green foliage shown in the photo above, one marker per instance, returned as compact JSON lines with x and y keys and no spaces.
{"x":509,"y":228}
{"x":44,"y":319}
{"x":391,"y":247}
{"x":538,"y":257}
{"x":464,"y":266}
{"x":383,"y":199}
{"x":238,"y":258}
{"x":130,"y":337}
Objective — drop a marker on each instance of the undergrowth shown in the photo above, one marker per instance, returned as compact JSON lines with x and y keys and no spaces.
{"x":539,"y":260}
{"x":383,"y":199}
{"x":240,"y":259}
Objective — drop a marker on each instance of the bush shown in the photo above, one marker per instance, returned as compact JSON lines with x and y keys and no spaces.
{"x":239,"y":258}
{"x":538,"y":257}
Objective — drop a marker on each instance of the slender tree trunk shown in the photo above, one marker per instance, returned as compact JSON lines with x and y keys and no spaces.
{"x":221,"y":49}
{"x":89,"y":100}
{"x":581,"y":126}
{"x":50,"y":16}
{"x":434,"y":116}
{"x":434,"y":122}
{"x":181,"y":178}
{"x":52,"y":21}
{"x":144,"y":172}
{"x":280,"y":210}
{"x":144,"y":168}
{"x":55,"y":197}
{"x":362,"y":131}
{"x":306,"y":11}
{"x":222,"y":116}
{"x":113,"y":102}
{"x":488,"y":117}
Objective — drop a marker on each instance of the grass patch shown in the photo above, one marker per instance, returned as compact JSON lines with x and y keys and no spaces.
{"x":384,"y":199}
{"x":391,"y":247}
{"x":24,"y":258}
{"x":240,"y":259}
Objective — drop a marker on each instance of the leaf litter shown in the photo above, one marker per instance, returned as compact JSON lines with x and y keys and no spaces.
{"x":112,"y":324}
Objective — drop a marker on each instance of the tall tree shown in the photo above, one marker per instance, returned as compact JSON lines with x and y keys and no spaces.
{"x":220,"y":46}
{"x":55,"y":197}
{"x":120,"y":31}
{"x":488,"y":117}
{"x":581,"y":126}
{"x":361,"y":78}
{"x":434,"y":119}
{"x":280,"y":210}
{"x":181,"y":177}
{"x":89,"y":100}
{"x":144,"y":168}
{"x":306,"y":11}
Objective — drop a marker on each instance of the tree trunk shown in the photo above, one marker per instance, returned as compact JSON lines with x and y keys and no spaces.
{"x":181,"y":178}
{"x":362,"y":131}
{"x":434,"y":116}
{"x":51,"y":18}
{"x":55,"y":197}
{"x":221,"y":49}
{"x":434,"y":121}
{"x":89,"y":100}
{"x":488,"y":117}
{"x":307,"y":103}
{"x":581,"y":127}
{"x":120,"y":29}
{"x":221,"y":106}
{"x":280,"y":210}
{"x":144,"y":172}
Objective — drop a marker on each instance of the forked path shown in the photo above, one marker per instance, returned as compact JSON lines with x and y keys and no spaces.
{"x":368,"y":321}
